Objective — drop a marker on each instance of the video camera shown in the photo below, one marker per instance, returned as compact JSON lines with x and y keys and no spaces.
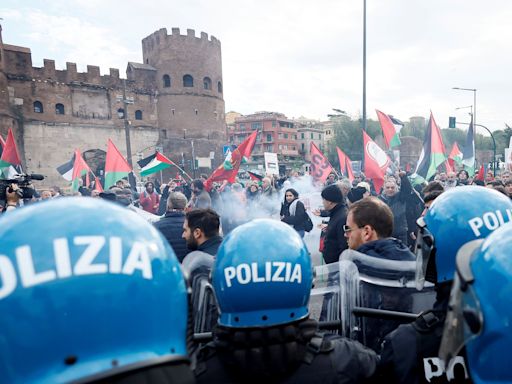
{"x":23,"y":181}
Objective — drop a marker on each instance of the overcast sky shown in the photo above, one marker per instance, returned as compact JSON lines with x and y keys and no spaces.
{"x":298,"y":57}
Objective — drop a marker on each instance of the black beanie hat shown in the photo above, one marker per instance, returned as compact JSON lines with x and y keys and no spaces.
{"x":356,"y":194}
{"x":332,"y":193}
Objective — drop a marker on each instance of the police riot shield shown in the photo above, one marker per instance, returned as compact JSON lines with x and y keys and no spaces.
{"x":197,"y":267}
{"x":371,"y":289}
{"x":324,"y":301}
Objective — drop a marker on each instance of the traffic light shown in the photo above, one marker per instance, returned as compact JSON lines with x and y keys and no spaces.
{"x":451,"y":122}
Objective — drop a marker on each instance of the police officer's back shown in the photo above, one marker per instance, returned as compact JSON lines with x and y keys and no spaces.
{"x":457,"y":217}
{"x":262,"y":278}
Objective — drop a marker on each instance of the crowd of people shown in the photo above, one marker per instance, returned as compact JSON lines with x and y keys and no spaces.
{"x":98,"y":293}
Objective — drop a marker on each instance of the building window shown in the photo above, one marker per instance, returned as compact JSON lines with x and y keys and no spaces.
{"x":138,"y":114}
{"x":188,"y":81}
{"x":295,"y":137}
{"x":273,"y":124}
{"x":280,"y":135}
{"x":167,"y":81}
{"x":302,"y":135}
{"x":303,"y":147}
{"x":256,"y":125}
{"x":258,"y":137}
{"x":269,"y":147}
{"x":285,"y":135}
{"x":269,"y":137}
{"x":120,"y":113}
{"x":311,"y":135}
{"x":219,"y":87}
{"x":319,"y":136}
{"x":207,"y":83}
{"x":38,"y":107}
{"x":242,"y":127}
{"x":59,"y":109}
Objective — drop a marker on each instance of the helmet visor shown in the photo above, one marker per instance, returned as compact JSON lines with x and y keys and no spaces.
{"x":464,"y":319}
{"x":423,"y":249}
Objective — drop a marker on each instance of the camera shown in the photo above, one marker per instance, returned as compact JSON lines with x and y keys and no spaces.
{"x":23,"y":181}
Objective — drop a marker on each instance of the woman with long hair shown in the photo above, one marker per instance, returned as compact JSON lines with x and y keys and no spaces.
{"x":293,"y":212}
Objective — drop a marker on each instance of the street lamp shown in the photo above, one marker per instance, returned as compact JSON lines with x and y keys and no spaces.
{"x":469,"y":106}
{"x":474,"y":99}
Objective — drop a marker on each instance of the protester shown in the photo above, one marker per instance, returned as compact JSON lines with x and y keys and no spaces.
{"x":201,"y":231}
{"x":410,"y":353}
{"x":149,"y":199}
{"x":293,"y":212}
{"x":334,"y":239}
{"x":110,"y":304}
{"x":264,"y":333}
{"x":397,"y":199}
{"x":200,"y":198}
{"x":171,"y":225}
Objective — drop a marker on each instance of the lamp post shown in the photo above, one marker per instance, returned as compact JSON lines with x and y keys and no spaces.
{"x":474,"y":100}
{"x":364,"y":66}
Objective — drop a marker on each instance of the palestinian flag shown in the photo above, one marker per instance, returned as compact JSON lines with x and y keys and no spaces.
{"x":10,"y":156}
{"x":97,"y":184}
{"x":432,"y":154}
{"x":145,"y":161}
{"x":345,"y":165}
{"x":391,"y":128}
{"x":80,"y":168}
{"x":229,"y":169}
{"x":116,"y":166}
{"x":2,"y":145}
{"x":468,"y":151}
{"x":158,"y":163}
{"x":455,"y":156}
{"x":66,"y":169}
{"x":255,"y":176}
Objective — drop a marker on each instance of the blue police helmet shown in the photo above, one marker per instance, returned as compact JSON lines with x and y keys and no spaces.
{"x":456,"y":217}
{"x":88,"y":289}
{"x":262,"y":275}
{"x":480,"y":310}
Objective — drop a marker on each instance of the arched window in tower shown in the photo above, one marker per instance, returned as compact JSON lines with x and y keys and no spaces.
{"x":188,"y":81}
{"x":167,"y":81}
{"x":59,"y":109}
{"x":207,"y":83}
{"x":138,"y":114}
{"x":120,"y":113}
{"x":38,"y":107}
{"x":219,"y":87}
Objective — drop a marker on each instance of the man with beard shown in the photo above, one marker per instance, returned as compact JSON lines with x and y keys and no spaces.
{"x":149,"y":199}
{"x":201,"y":231}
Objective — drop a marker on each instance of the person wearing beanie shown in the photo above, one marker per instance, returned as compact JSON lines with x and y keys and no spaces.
{"x":357,"y":194}
{"x":334,"y":237}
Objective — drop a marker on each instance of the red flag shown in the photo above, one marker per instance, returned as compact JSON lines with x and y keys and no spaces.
{"x":320,"y":166}
{"x":448,"y":166}
{"x":97,"y":184}
{"x":376,"y":162}
{"x":10,"y":152}
{"x":79,"y":168}
{"x":2,"y":142}
{"x":345,"y":165}
{"x":481,"y":174}
{"x":116,"y":167}
{"x":229,"y":169}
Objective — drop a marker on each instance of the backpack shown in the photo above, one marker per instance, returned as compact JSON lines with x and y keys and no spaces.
{"x":308,"y":224}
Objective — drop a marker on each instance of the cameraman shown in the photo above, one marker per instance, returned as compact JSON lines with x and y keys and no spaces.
{"x":12,"y":194}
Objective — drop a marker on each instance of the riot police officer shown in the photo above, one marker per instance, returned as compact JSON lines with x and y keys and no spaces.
{"x":90,"y":292}
{"x":262,"y":278}
{"x":481,"y":307}
{"x":458,"y":216}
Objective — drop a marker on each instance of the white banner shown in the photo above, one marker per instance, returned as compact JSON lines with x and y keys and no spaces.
{"x":271,"y":163}
{"x":508,"y":158}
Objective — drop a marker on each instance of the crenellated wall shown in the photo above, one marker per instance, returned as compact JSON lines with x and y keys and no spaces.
{"x":51,"y":109}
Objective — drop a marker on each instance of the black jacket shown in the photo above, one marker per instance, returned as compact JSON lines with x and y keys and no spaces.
{"x":171,"y":226}
{"x":334,"y":239}
{"x":298,"y":220}
{"x":398,"y":205}
{"x":410,"y":353}
{"x":211,"y":245}
{"x":337,"y":360}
